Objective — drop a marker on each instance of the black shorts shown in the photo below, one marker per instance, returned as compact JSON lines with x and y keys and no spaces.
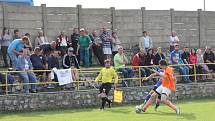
{"x":106,"y":86}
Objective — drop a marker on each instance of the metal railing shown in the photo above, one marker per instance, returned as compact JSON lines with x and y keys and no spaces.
{"x":96,"y":70}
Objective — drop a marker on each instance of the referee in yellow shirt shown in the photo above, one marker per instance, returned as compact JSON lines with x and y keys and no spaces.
{"x":105,"y":77}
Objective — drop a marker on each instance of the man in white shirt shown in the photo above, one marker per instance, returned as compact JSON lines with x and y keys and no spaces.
{"x":145,"y":41}
{"x":173,"y":39}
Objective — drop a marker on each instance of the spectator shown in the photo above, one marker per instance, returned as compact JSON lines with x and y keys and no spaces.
{"x":119,"y":62}
{"x":106,"y":43}
{"x":70,"y":60}
{"x":97,"y":47}
{"x":173,"y":39}
{"x":39,"y":62}
{"x":53,"y":60}
{"x":186,"y":60}
{"x":145,"y":41}
{"x":84,"y":44}
{"x":150,"y":57}
{"x":176,"y":58}
{"x":115,"y":43}
{"x":41,"y":41}
{"x":16,"y":46}
{"x":201,"y":66}
{"x":139,"y":59}
{"x":6,"y":39}
{"x":209,"y":57}
{"x":158,"y":56}
{"x":193,"y":60}
{"x":10,"y":79}
{"x":23,"y":63}
{"x":90,"y":50}
{"x":74,"y":42}
{"x":62,"y":42}
{"x":17,"y":34}
{"x":193,"y":56}
{"x":185,"y":56}
{"x":149,"y":62}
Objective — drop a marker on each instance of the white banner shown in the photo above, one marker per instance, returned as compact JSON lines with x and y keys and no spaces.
{"x":64,"y":76}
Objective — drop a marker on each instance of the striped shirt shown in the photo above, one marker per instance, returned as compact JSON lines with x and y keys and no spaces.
{"x":105,"y":42}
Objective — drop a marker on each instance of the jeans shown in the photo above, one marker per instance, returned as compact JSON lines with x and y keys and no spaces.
{"x":84,"y":56}
{"x":13,"y":59}
{"x":90,"y":56}
{"x":28,"y":77}
{"x":183,"y":70}
{"x":128,"y":73}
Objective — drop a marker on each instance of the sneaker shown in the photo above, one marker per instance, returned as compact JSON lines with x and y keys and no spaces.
{"x":109,"y":104}
{"x":177,"y":111}
{"x":101,"y":109}
{"x":156,"y":106}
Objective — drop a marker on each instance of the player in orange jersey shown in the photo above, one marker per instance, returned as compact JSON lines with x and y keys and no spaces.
{"x":168,"y":85}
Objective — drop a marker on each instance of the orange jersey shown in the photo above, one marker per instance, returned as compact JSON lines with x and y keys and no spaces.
{"x":168,"y":79}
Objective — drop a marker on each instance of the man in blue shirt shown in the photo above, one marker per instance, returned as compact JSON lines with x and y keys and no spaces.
{"x":16,"y":46}
{"x":176,"y":59}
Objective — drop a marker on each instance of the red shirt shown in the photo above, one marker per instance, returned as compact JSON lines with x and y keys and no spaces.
{"x":193,"y":58}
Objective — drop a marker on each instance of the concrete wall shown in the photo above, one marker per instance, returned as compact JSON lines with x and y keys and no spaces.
{"x":79,"y":99}
{"x":194,"y":28}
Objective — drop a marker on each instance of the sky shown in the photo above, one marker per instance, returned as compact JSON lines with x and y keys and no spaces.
{"x":185,"y":5}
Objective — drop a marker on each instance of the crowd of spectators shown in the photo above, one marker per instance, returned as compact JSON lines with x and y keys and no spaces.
{"x":78,"y":50}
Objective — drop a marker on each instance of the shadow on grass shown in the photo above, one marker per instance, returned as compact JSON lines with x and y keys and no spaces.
{"x":187,"y":116}
{"x":44,"y":113}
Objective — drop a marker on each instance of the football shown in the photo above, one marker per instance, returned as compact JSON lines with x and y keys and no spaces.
{"x":137,"y":109}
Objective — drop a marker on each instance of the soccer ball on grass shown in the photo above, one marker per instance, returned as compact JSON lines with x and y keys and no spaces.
{"x":137,"y":109}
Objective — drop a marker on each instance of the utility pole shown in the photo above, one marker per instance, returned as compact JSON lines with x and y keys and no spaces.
{"x":204,"y":5}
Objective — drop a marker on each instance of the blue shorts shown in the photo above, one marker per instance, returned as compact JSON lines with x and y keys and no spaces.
{"x":157,"y":85}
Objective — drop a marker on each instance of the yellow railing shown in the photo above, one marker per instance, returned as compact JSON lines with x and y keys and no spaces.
{"x":93,"y":71}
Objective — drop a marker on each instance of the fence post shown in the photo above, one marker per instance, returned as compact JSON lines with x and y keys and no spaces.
{"x":113,"y":19}
{"x":79,"y":7}
{"x":200,"y":16}
{"x":143,"y":11}
{"x":140,"y":77}
{"x":172,"y":16}
{"x":6,"y":84}
{"x":195,"y":73}
{"x":44,"y":18}
{"x":5,"y":15}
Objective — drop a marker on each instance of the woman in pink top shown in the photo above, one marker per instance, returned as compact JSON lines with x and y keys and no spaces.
{"x":193,"y":56}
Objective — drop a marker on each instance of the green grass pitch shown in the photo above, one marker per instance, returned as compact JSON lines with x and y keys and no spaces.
{"x":199,"y":110}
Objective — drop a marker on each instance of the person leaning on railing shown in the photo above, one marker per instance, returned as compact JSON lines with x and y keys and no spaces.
{"x":24,"y":64}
